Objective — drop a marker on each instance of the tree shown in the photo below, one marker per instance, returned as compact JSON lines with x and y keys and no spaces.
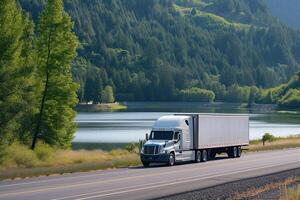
{"x":15,"y":70}
{"x":108,"y":95}
{"x":267,"y":137}
{"x":57,"y":46}
{"x":252,"y":96}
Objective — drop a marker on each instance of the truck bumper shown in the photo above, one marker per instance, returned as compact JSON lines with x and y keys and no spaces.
{"x":160,"y":158}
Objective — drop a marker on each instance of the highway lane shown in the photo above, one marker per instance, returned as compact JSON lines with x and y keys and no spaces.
{"x":145,"y":183}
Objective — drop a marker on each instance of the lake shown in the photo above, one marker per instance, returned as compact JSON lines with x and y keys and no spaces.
{"x":132,"y":124}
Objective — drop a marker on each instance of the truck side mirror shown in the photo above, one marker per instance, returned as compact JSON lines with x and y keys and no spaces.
{"x":178,"y":139}
{"x":147,"y":137}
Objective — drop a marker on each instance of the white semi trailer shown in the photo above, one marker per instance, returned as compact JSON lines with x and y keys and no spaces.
{"x":195,"y":137}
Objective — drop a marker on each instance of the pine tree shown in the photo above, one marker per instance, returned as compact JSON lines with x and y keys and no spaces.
{"x":56,"y":44}
{"x":15,"y":70}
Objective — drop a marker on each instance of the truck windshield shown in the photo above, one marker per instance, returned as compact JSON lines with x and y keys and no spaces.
{"x":161,"y":135}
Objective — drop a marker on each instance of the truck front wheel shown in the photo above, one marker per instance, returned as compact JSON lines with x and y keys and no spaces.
{"x":146,"y":164}
{"x":171,"y":159}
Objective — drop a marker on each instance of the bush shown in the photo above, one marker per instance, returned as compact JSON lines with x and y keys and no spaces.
{"x":267,"y":137}
{"x":44,"y":152}
{"x":19,"y":155}
{"x":197,"y":94}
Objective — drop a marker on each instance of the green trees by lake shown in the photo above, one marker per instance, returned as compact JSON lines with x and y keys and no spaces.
{"x":37,"y":92}
{"x":153,"y":49}
{"x":197,"y":94}
{"x":56,"y":48}
{"x":108,"y":95}
{"x":16,"y":72}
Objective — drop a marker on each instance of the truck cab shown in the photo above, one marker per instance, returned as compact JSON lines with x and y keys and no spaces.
{"x":170,"y":141}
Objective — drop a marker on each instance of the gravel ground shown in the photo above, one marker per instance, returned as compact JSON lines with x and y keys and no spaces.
{"x":228,"y":190}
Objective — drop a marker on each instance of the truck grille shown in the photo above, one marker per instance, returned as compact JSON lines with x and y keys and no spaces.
{"x":152,"y":150}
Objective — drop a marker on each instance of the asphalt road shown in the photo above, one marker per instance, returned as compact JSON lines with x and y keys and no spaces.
{"x":145,"y":183}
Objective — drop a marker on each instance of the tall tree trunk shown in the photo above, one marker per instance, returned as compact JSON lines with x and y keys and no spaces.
{"x":39,"y":122}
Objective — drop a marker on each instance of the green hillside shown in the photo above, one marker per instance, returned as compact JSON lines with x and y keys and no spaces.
{"x":154,"y":50}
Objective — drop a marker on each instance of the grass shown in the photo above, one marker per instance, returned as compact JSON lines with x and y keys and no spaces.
{"x":253,"y":192}
{"x":290,"y":193}
{"x":213,"y":18}
{"x":22,"y":162}
{"x":278,"y":143}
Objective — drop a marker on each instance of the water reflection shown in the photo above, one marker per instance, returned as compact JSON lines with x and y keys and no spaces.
{"x":131,"y":125}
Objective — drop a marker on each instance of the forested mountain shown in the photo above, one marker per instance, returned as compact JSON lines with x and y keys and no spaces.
{"x":168,"y":49}
{"x":286,"y":11}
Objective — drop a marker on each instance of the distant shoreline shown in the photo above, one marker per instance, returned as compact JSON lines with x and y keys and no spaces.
{"x":85,"y":107}
{"x":123,"y":106}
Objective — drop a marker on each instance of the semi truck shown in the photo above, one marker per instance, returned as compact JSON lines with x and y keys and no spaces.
{"x":195,"y":137}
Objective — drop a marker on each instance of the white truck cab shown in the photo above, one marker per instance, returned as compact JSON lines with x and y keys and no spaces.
{"x":176,"y":138}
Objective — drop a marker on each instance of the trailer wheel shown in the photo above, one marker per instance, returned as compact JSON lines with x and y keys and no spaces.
{"x":198,"y":156}
{"x":171,"y":159}
{"x":146,"y":164}
{"x":239,"y":151}
{"x":204,"y":156}
{"x":234,"y":152}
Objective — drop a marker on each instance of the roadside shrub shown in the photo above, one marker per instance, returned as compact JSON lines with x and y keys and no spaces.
{"x":44,"y":152}
{"x":118,"y":153}
{"x":18,"y":155}
{"x":3,"y":153}
{"x":267,"y":137}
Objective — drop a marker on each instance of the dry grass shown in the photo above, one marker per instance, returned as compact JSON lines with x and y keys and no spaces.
{"x":22,"y":162}
{"x":292,"y":192}
{"x":278,"y":143}
{"x":253,"y":192}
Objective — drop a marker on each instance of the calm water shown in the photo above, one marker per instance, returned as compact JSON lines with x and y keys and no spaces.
{"x":132,"y":124}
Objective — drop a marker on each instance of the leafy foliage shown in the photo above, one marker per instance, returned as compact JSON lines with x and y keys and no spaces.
{"x":108,"y":95}
{"x":267,"y":137}
{"x":196,"y":94}
{"x":291,"y":99}
{"x":150,"y":49}
{"x":36,"y":85}
{"x":56,"y":45}
{"x":15,"y":73}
